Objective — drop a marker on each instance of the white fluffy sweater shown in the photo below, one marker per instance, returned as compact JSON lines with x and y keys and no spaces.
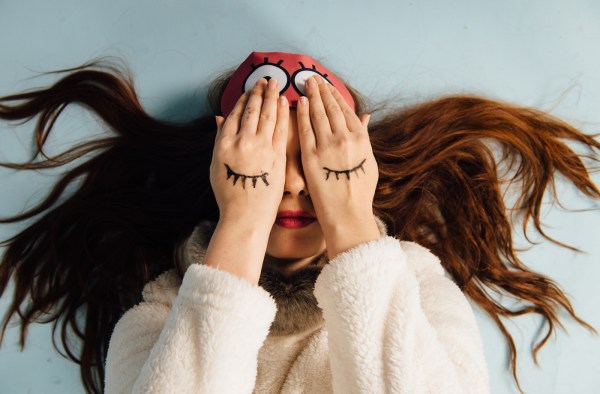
{"x":389,"y":321}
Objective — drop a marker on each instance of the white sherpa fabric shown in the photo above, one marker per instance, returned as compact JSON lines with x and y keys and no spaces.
{"x":392,"y":323}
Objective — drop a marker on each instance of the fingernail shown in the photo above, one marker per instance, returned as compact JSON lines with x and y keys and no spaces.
{"x":273,"y":85}
{"x":310,"y":81}
{"x":303,"y":100}
{"x":319,"y":79}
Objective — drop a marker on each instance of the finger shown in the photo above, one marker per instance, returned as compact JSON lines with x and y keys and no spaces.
{"x":318,"y":116}
{"x":306,"y":134}
{"x":219,"y":120}
{"x":231,"y":124}
{"x":336,"y":117}
{"x":352,"y":121}
{"x":251,"y":114}
{"x":280,"y":134}
{"x":268,"y":112}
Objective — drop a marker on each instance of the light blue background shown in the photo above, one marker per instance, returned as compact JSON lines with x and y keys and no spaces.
{"x":537,"y":53}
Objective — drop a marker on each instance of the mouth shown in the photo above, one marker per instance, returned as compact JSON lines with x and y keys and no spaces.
{"x":294,"y":222}
{"x":294,"y":214}
{"x":294,"y":219}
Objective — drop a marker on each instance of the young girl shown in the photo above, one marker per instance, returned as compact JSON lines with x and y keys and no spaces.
{"x":287,"y":244}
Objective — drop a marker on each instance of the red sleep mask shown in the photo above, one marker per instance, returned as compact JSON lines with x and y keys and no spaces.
{"x":291,"y":71}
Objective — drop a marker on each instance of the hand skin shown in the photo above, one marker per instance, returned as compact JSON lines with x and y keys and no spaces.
{"x":331,"y":134}
{"x":258,"y":121}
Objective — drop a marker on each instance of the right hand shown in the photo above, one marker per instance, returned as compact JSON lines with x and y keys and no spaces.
{"x":252,"y":141}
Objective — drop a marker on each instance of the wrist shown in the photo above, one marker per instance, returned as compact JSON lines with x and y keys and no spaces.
{"x":232,"y":239}
{"x":250,"y":222}
{"x":346,"y":234}
{"x":246,"y":224}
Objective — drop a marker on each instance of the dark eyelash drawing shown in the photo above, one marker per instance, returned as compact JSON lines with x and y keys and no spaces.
{"x":267,"y":70}
{"x":266,"y":61}
{"x":347,"y":172}
{"x":314,"y":68}
{"x":300,"y":75}
{"x":263,"y":176}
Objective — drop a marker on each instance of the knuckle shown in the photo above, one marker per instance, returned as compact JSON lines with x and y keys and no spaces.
{"x":266,"y":116}
{"x":332,"y":108}
{"x":341,"y":143}
{"x":347,"y":111}
{"x":245,"y":145}
{"x":304,"y":129}
{"x":326,"y":147}
{"x":248,"y":113}
{"x":222,"y":147}
{"x":363,"y":137}
{"x":320,"y":115}
{"x":280,"y":129}
{"x":272,"y":93}
{"x":257,"y":90}
{"x":250,"y":110}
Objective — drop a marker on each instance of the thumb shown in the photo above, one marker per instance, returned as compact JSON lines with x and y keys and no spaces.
{"x":364,"y":119}
{"x":219,"y":122}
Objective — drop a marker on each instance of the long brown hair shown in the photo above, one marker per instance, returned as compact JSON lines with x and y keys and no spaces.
{"x":143,"y":189}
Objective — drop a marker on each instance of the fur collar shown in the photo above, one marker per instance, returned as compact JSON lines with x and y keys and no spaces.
{"x":297,"y":309}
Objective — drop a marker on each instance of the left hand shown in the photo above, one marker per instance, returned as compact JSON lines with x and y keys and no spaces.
{"x":337,"y":157}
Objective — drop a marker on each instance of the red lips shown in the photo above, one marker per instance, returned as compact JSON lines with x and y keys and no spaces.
{"x":294,"y":214}
{"x":294,"y":219}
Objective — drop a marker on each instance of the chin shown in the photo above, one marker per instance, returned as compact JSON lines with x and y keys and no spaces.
{"x":295,"y":243}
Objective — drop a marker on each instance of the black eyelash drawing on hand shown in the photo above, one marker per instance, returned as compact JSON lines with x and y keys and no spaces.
{"x":347,"y":172}
{"x":230,"y":172}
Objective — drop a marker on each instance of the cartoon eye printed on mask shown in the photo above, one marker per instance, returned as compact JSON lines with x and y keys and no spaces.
{"x":267,"y":70}
{"x":301,"y":75}
{"x":289,"y":69}
{"x":270,"y":70}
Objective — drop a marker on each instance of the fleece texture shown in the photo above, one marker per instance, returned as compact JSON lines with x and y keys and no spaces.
{"x":381,"y":317}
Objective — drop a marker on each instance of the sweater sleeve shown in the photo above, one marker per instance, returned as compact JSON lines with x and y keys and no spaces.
{"x":396,"y":324}
{"x":208,"y":341}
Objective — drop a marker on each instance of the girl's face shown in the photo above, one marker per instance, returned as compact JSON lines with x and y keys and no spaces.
{"x":290,"y":249}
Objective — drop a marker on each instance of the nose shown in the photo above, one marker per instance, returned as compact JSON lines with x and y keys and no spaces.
{"x":295,"y":183}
